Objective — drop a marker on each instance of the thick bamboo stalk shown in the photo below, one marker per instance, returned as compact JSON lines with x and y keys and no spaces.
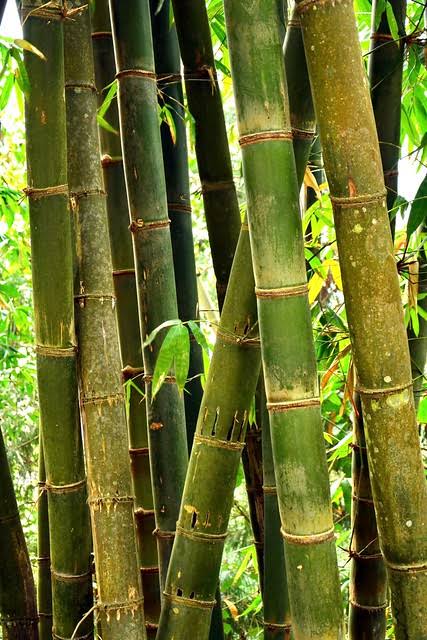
{"x":174,"y":145}
{"x":149,"y":226}
{"x":69,"y":528}
{"x":368,"y":579}
{"x":289,"y":362}
{"x":18,"y":611}
{"x":120,"y":602}
{"x":44,"y":582}
{"x":127,"y":316}
{"x":385,"y":77}
{"x":213,"y":155}
{"x":373,"y":303}
{"x":277,"y":616}
{"x":208,"y":493}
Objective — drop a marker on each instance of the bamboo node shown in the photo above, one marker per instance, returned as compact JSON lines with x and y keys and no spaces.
{"x":303,"y":134}
{"x":123,"y":272}
{"x":179,"y":206}
{"x":315,"y":538}
{"x":140,"y":225}
{"x":117,"y":397}
{"x":55,"y":352}
{"x":390,"y":173}
{"x":264,"y":136}
{"x":161,"y":533}
{"x":220,"y":444}
{"x":65,"y":488}
{"x":283,"y":292}
{"x":139,"y":451}
{"x":9,"y":518}
{"x":279,"y":407}
{"x":168,"y":78}
{"x":43,"y":560}
{"x":406,"y":568}
{"x":218,"y":185}
{"x":148,"y":379}
{"x":107,"y":160}
{"x":200,"y":536}
{"x":294,"y":22}
{"x":101,"y":34}
{"x":269,"y":490}
{"x":360,"y":499}
{"x":277,"y":625}
{"x":81,"y":85}
{"x":87,"y":636}
{"x":189,"y":602}
{"x":9,"y":623}
{"x":355,"y":200}
{"x":244,"y":226}
{"x":37,"y":194}
{"x":366,"y":607}
{"x":382,"y":37}
{"x":110,"y":500}
{"x":141,"y":73}
{"x":50,"y":11}
{"x":241,"y":341}
{"x":68,"y":577}
{"x":364,"y":557}
{"x":364,"y":391}
{"x":140,"y":512}
{"x":85,"y":193}
{"x":149,"y":570}
{"x":128,"y":372}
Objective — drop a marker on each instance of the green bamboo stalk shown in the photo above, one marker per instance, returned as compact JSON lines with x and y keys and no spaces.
{"x":385,"y":78}
{"x":44,"y":582}
{"x":418,"y":343}
{"x":289,"y":362}
{"x":277,"y":616}
{"x":368,"y":579}
{"x":111,"y":502}
{"x":69,"y":529}
{"x":373,"y":303}
{"x":147,"y":200}
{"x":18,"y":611}
{"x":174,"y":145}
{"x":208,"y":492}
{"x":213,"y":155}
{"x":127,"y":316}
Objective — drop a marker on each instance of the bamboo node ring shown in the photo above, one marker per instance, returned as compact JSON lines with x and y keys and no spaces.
{"x":68,"y":577}
{"x":140,"y":73}
{"x":85,"y":637}
{"x":360,"y":499}
{"x":139,"y":451}
{"x":129,"y":605}
{"x":277,"y":625}
{"x":406,"y":568}
{"x":179,"y":206}
{"x":117,"y":397}
{"x":220,"y":444}
{"x":81,"y":85}
{"x":269,"y":490}
{"x":149,"y":570}
{"x":200,"y":536}
{"x":218,"y":185}
{"x":148,"y":379}
{"x":109,"y":500}
{"x":264,"y":136}
{"x":65,"y":488}
{"x":238,"y":340}
{"x":55,"y":352}
{"x":361,"y":199}
{"x":282,"y":292}
{"x":364,"y":558}
{"x":141,"y":225}
{"x":10,"y":517}
{"x":168,"y":78}
{"x":189,"y":602}
{"x":101,"y":34}
{"x":37,"y":194}
{"x":161,"y":533}
{"x":278,"y":407}
{"x":364,"y":391}
{"x":303,"y":134}
{"x":366,"y":607}
{"x":315,"y":538}
{"x":107,"y":160}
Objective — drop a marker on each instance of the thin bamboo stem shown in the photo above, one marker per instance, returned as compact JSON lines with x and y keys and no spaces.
{"x":120,"y":602}
{"x":373,"y":303}
{"x":44,"y":582}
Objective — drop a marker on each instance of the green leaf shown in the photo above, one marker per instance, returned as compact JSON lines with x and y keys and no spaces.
{"x":24,"y":44}
{"x":111,"y":94}
{"x":422,"y":411}
{"x":418,"y":208}
{"x":181,"y":355}
{"x":164,"y":361}
{"x":391,"y":19}
{"x":6,"y":91}
{"x":106,"y":125}
{"x":164,"y":325}
{"x":199,"y":335}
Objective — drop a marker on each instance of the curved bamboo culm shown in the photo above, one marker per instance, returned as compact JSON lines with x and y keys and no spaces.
{"x":289,"y":362}
{"x":368,"y":579}
{"x":18,"y":610}
{"x":277,"y":616}
{"x":213,"y":155}
{"x":127,"y":317}
{"x":385,"y":78}
{"x":208,"y":493}
{"x":52,"y":267}
{"x":373,"y":302}
{"x":44,"y":582}
{"x":119,"y":603}
{"x":175,"y":160}
{"x":149,"y":226}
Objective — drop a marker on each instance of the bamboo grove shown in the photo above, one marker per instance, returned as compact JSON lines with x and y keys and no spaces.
{"x":150,"y":406}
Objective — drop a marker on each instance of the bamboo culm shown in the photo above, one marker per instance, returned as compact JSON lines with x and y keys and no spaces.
{"x":373,"y":303}
{"x":149,"y":226}
{"x":52,"y":271}
{"x":288,"y":358}
{"x":18,"y":610}
{"x":119,"y":596}
{"x":127,"y":317}
{"x":44,"y":582}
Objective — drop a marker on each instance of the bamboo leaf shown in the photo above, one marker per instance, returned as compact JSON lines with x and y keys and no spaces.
{"x":391,"y":19}
{"x":199,"y":335}
{"x":164,"y":359}
{"x":243,"y":565}
{"x":310,"y":181}
{"x":314,"y":287}
{"x":111,"y":94}
{"x":105,"y":125}
{"x":24,"y":44}
{"x":164,"y":325}
{"x":181,"y":355}
{"x":418,"y":209}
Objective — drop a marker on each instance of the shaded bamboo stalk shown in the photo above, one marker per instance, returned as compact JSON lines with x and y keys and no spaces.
{"x":385,"y":77}
{"x":213,"y":155}
{"x":149,"y":226}
{"x":175,"y":161}
{"x":52,"y":271}
{"x":18,"y":611}
{"x":373,"y":303}
{"x":368,"y":579}
{"x":418,"y":343}
{"x":44,"y":583}
{"x":119,"y":602}
{"x":277,"y":616}
{"x":288,"y":358}
{"x":127,"y":316}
